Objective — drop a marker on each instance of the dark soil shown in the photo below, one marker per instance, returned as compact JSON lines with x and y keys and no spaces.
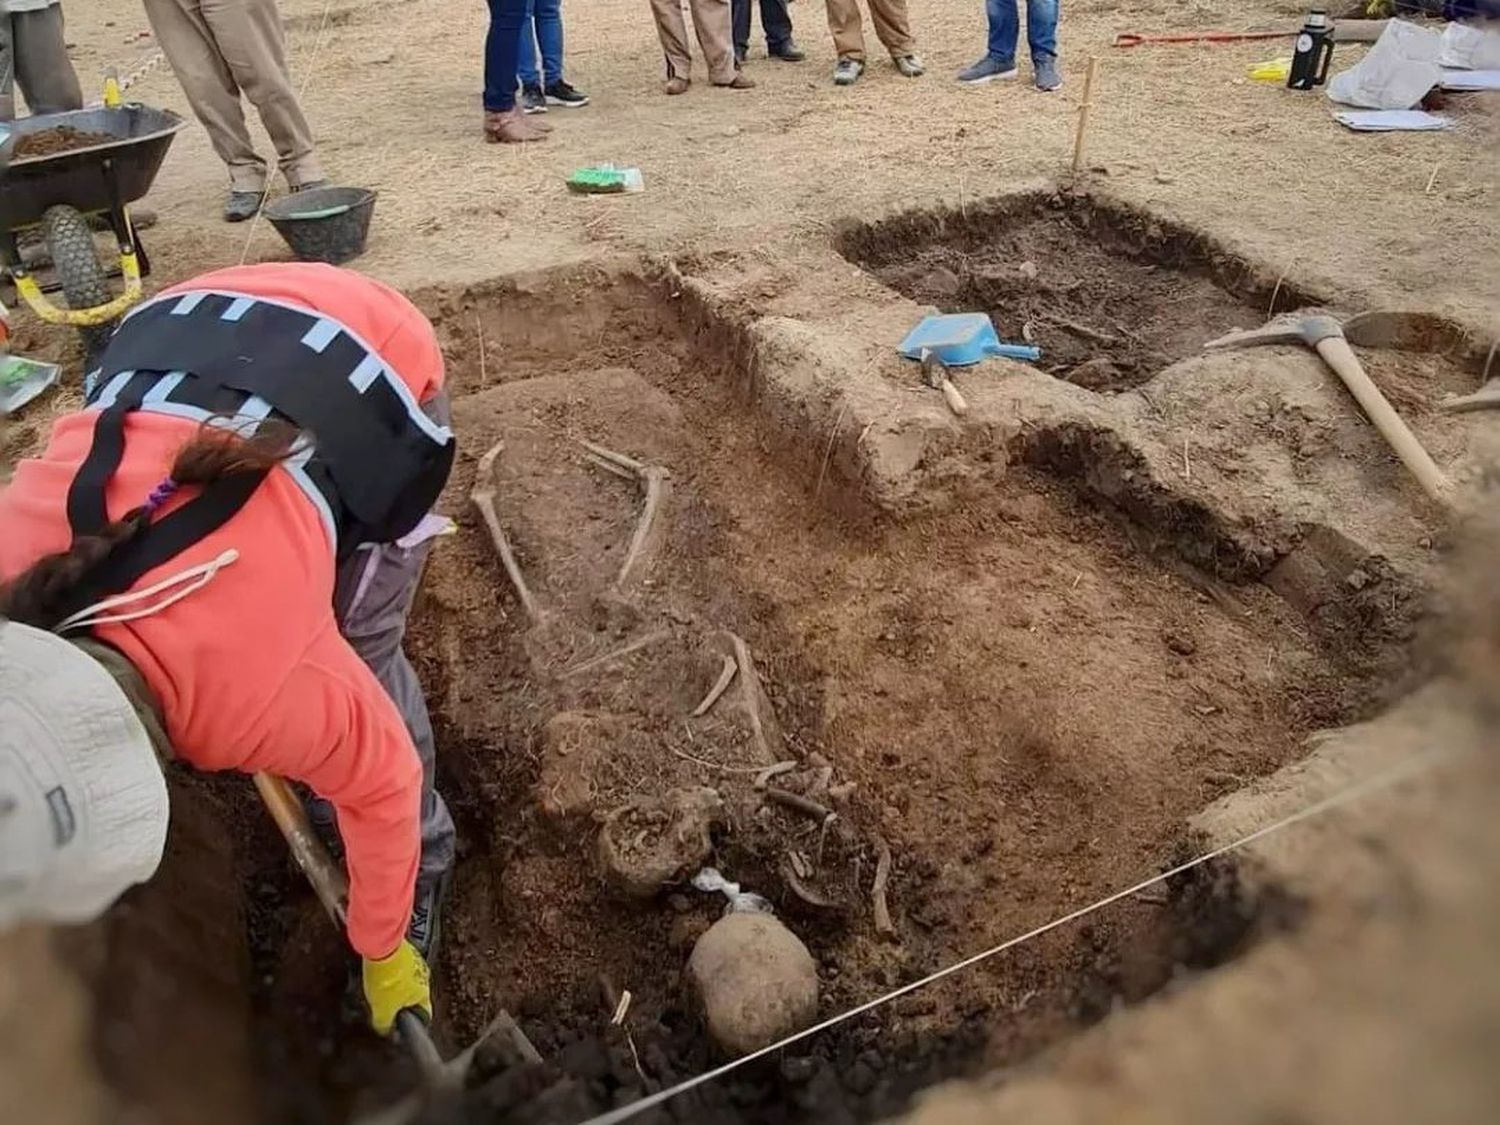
{"x":1110,"y":296}
{"x":62,"y":138}
{"x":1014,"y":695}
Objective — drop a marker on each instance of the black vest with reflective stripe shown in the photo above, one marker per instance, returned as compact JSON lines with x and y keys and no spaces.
{"x":376,"y":464}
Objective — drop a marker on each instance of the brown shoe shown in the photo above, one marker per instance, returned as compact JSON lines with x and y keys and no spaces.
{"x":510,"y":128}
{"x":676,"y":85}
{"x":741,"y":82}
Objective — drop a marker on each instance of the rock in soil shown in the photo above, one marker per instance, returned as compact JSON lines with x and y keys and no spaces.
{"x":756,"y":980}
{"x":652,"y":841}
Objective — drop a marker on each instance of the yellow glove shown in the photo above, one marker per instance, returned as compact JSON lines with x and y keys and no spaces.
{"x":395,"y":983}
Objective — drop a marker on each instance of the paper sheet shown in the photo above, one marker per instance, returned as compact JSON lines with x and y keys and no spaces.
{"x":1471,"y":80}
{"x":1391,"y":120}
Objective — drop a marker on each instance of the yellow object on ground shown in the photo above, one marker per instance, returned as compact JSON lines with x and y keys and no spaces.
{"x":1273,"y":70}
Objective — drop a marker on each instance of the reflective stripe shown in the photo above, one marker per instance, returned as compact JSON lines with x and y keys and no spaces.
{"x":111,"y":390}
{"x":237,"y":308}
{"x":440,"y":434}
{"x":366,"y":373}
{"x":163,"y":387}
{"x":255,"y":408}
{"x":188,"y":303}
{"x":296,"y":465}
{"x":321,"y":334}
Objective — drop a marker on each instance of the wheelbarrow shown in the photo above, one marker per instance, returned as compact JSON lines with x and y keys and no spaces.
{"x":59,"y":194}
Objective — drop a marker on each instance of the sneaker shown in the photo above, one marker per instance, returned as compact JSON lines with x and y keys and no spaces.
{"x":426,"y":926}
{"x":987,"y":69}
{"x":910,"y":66}
{"x":739,"y":82}
{"x":560,"y":93}
{"x":787,"y":52}
{"x":675,"y":85}
{"x":847,"y":72}
{"x":242,"y":205}
{"x":532,"y":100}
{"x":1048,"y":77}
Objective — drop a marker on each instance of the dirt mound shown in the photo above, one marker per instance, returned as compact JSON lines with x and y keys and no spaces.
{"x":60,"y":138}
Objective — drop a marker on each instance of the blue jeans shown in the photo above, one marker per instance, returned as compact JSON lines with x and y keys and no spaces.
{"x":501,"y":46}
{"x":544,"y":38}
{"x":1005,"y":28}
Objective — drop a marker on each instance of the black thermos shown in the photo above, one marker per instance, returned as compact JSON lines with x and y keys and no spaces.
{"x":1314,"y":52}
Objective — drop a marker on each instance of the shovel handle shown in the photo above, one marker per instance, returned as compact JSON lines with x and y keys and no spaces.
{"x":411,"y":1029}
{"x":326,"y":876}
{"x":1337,"y":353}
{"x":956,"y":401}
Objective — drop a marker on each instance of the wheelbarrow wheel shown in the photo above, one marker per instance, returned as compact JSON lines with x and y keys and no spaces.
{"x":84,"y":282}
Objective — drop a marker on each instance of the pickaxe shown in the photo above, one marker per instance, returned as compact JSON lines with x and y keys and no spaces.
{"x":1325,"y":335}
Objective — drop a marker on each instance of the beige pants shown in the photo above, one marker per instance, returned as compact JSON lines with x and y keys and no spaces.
{"x":221,"y":48}
{"x":712,"y":21}
{"x":892,"y":25}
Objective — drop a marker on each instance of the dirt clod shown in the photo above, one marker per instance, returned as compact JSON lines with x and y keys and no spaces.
{"x":756,"y":981}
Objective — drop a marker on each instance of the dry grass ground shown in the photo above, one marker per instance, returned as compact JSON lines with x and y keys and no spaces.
{"x":392,"y":88}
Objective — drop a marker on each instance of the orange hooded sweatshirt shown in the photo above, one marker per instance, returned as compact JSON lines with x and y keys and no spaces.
{"x":250,"y":671}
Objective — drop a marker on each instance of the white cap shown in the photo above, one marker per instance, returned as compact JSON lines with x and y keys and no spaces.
{"x":83,"y":804}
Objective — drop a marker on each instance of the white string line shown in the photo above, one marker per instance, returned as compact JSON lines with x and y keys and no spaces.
{"x":1390,"y":776}
{"x":307,"y":77}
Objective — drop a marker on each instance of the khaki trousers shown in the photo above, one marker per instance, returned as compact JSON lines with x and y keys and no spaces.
{"x":712,"y":21}
{"x":892,"y":26}
{"x":33,"y":56}
{"x":220,"y":49}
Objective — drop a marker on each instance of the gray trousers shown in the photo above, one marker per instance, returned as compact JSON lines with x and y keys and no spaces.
{"x":34,"y":57}
{"x":372,"y":599}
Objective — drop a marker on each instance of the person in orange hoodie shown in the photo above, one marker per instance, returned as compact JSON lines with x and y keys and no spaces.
{"x":213,"y":562}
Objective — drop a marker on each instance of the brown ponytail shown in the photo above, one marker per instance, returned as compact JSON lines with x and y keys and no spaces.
{"x":39,"y":595}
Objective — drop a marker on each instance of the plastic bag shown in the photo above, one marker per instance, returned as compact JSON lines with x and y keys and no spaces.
{"x":1397,"y":73}
{"x":740,"y":902}
{"x":1470,"y":48}
{"x":21,"y":380}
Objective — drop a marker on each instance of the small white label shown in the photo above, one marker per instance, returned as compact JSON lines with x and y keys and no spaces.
{"x":1304,"y":43}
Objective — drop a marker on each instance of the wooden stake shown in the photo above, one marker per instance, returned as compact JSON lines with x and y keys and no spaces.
{"x":1083,"y":113}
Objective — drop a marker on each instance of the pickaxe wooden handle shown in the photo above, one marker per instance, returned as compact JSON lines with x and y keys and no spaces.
{"x":1337,"y":353}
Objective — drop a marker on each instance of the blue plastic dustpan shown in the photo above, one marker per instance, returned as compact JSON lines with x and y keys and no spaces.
{"x":959,"y":339}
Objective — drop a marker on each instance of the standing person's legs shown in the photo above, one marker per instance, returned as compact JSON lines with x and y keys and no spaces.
{"x":776,"y":22}
{"x":503,"y":122}
{"x":7,"y":70}
{"x":528,"y":48}
{"x":188,"y":43}
{"x":740,"y":13}
{"x":847,"y":28}
{"x":711,"y":21}
{"x":42,"y":67}
{"x":1041,"y":28}
{"x":1041,"y":35}
{"x":249,"y":36}
{"x":893,"y":26}
{"x":672,"y":32}
{"x":549,"y":38}
{"x":1004,"y":19}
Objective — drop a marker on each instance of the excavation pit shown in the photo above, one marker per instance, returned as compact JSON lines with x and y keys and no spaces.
{"x":1111,"y":294}
{"x":1010,"y":695}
